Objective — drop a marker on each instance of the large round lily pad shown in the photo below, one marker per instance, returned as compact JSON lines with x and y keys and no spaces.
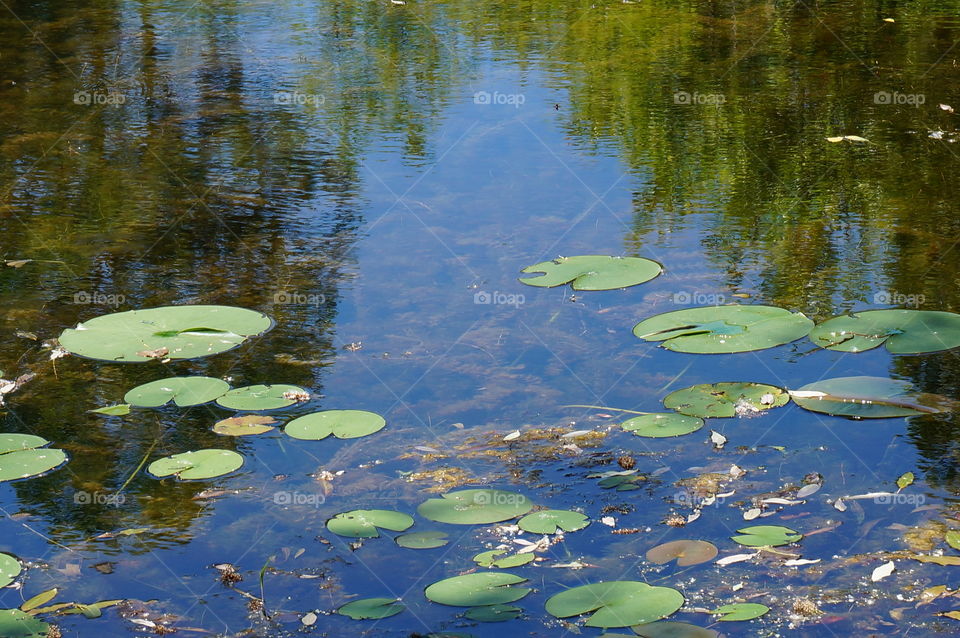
{"x":168,"y":332}
{"x":662,"y":424}
{"x":726,"y":399}
{"x":22,"y":456}
{"x":364,"y":523}
{"x":724,"y":329}
{"x":371,"y":608}
{"x":740,"y":611}
{"x":261,"y":397}
{"x":868,"y":398}
{"x":553,"y":521}
{"x":668,"y":629}
{"x":422,"y":540}
{"x":17,"y":624}
{"x":685,"y":552}
{"x":343,"y":424}
{"x":475,"y":507}
{"x":478,"y":589}
{"x":617,"y":603}
{"x":183,"y":391}
{"x":902,"y":331}
{"x":493,"y":558}
{"x":197,"y":464}
{"x":766,"y":536}
{"x":593,"y":272}
{"x":9,"y":569}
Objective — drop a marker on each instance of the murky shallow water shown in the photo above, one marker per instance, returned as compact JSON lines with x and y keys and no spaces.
{"x":371,"y":174}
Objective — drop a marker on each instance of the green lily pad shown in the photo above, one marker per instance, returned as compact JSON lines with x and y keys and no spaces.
{"x":766,"y":536}
{"x":422,"y":540}
{"x":197,"y":464}
{"x":553,"y":521}
{"x":490,"y":559}
{"x":174,"y":332}
{"x":343,"y":424}
{"x":621,"y":481}
{"x":244,"y":425}
{"x":868,"y":398}
{"x":662,"y":424}
{"x":616,"y":603}
{"x":371,"y":608}
{"x":952,"y":537}
{"x":475,"y":507}
{"x":493,"y":613}
{"x":726,"y":399}
{"x":120,"y":409}
{"x":685,"y":552}
{"x":183,"y":391}
{"x":593,"y":272}
{"x":17,"y":624}
{"x":668,"y":629}
{"x":476,"y":590}
{"x":724,"y":329}
{"x":9,"y":569}
{"x":902,"y":331}
{"x":364,"y":523}
{"x":741,"y":611}
{"x":261,"y":397}
{"x":22,"y":456}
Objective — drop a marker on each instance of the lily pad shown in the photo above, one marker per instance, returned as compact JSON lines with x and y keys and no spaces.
{"x":261,"y":397}
{"x":726,"y":399}
{"x":668,"y":629}
{"x":475,"y":507}
{"x":593,"y":272}
{"x":17,"y":624}
{"x":741,"y":611}
{"x":621,"y":481}
{"x":868,"y":398}
{"x":183,"y":391}
{"x":422,"y":540}
{"x":371,"y":608}
{"x":172,"y":332}
{"x":197,"y":464}
{"x":553,"y":521}
{"x":120,"y":409}
{"x":766,"y":536}
{"x":685,"y":552}
{"x":662,"y":424}
{"x":22,"y":456}
{"x":902,"y":331}
{"x":343,"y":424}
{"x":364,"y":523}
{"x":724,"y":329}
{"x":493,"y":613}
{"x":616,"y":603}
{"x":478,"y":589}
{"x":490,"y":559}
{"x":10,"y":568}
{"x":244,"y":425}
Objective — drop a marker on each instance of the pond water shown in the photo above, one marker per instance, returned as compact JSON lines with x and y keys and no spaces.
{"x":373,"y":176}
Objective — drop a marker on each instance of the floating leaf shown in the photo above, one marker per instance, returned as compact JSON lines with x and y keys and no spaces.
{"x":39,"y":600}
{"x":882,"y":571}
{"x":475,"y":590}
{"x":260,"y":397}
{"x":937,"y":560}
{"x":10,"y":568}
{"x":475,"y":507}
{"x":848,"y":138}
{"x":952,"y":537}
{"x":371,"y":608}
{"x":553,"y":521}
{"x":343,"y":424}
{"x":624,"y":481}
{"x":867,"y":398}
{"x":725,"y":399}
{"x":740,"y":611}
{"x":724,"y":329}
{"x":593,"y":272}
{"x":766,"y":536}
{"x":113,"y":410}
{"x":489,"y":559}
{"x":616,"y":603}
{"x":244,"y":425}
{"x":185,"y":332}
{"x":17,"y":624}
{"x":902,"y":331}
{"x":668,"y":629}
{"x":686,"y":553}
{"x":493,"y":613}
{"x":364,"y":523}
{"x":662,"y":424}
{"x":197,"y":464}
{"x":183,"y":391}
{"x":422,"y":540}
{"x":905,"y":480}
{"x":22,"y":456}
